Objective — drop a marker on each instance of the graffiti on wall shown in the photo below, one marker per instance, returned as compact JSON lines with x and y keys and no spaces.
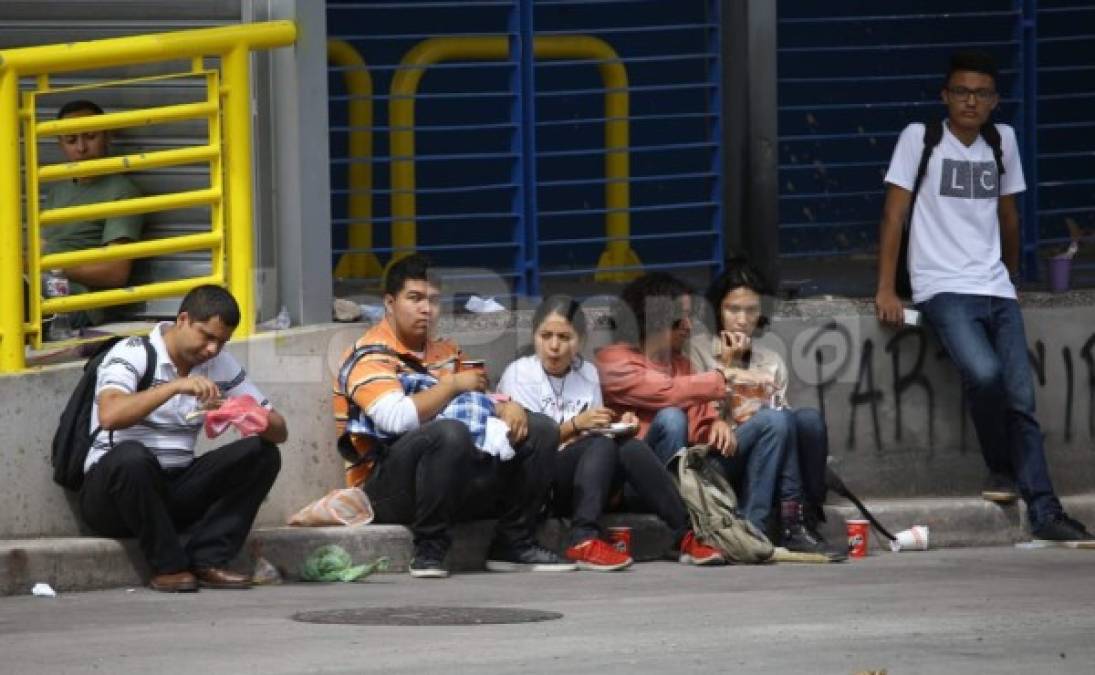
{"x":911,"y":350}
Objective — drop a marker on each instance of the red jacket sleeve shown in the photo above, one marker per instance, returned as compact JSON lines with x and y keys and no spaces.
{"x":629,"y":379}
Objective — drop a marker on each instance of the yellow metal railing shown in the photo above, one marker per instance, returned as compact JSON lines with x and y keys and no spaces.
{"x":362,"y":263}
{"x":227,"y":111}
{"x":618,"y":252}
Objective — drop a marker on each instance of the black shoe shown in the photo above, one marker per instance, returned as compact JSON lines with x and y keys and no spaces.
{"x":525,"y":556}
{"x":1060,"y":527}
{"x":800,"y":539}
{"x":1000,"y":489}
{"x":429,"y":560}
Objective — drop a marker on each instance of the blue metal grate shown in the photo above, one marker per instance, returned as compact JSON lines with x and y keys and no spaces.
{"x":849,"y":80}
{"x":1066,"y":123}
{"x":510,"y":153}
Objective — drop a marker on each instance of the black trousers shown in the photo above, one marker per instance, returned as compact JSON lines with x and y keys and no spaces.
{"x":434,"y":476}
{"x":127,"y":493}
{"x":594,"y":468}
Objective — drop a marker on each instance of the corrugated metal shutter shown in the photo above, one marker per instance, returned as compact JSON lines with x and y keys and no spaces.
{"x":510,"y":156}
{"x":48,"y":22}
{"x":1066,"y":127}
{"x":852,"y":74}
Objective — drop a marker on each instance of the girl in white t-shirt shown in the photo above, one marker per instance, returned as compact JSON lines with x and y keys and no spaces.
{"x":597,"y":457}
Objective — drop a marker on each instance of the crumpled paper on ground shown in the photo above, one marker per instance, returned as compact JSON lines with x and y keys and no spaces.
{"x":333,"y":563}
{"x":480,"y":305}
{"x":242,"y":412}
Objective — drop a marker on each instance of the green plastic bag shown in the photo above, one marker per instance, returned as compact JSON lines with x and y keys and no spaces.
{"x":333,"y":563}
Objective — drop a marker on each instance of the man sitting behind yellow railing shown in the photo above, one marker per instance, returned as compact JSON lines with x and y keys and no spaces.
{"x":90,"y":234}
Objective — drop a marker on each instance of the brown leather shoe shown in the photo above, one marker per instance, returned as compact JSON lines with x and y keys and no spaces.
{"x":174,"y":582}
{"x":218,"y":577}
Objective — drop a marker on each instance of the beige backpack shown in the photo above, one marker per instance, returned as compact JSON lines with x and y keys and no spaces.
{"x":714,"y":510}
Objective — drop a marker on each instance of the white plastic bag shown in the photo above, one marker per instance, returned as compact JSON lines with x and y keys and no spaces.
{"x":345,"y":506}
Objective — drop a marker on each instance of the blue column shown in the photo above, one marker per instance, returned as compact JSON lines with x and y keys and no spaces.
{"x":1028,"y":94}
{"x":714,"y":76}
{"x":526,"y":233}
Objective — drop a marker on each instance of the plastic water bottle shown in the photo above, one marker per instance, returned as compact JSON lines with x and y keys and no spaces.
{"x":56,"y":286}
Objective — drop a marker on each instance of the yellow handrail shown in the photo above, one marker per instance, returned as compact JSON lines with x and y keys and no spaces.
{"x":359,"y":180}
{"x":141,"y":161}
{"x":229,"y":195}
{"x":618,"y":252}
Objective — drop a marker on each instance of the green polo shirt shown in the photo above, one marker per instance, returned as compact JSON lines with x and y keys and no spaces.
{"x":86,"y":234}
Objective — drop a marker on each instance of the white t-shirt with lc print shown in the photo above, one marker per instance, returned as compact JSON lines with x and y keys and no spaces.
{"x":954,"y":243}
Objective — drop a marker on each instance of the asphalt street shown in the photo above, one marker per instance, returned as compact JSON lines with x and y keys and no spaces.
{"x":996,"y":610}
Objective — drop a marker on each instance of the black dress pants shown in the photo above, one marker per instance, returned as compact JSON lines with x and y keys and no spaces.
{"x":434,"y":476}
{"x":127,"y":494}
{"x":593,"y":468}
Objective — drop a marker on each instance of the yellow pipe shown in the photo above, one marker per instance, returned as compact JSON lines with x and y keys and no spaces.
{"x":33,"y":311}
{"x":134,"y":49}
{"x":359,"y":182}
{"x":11,"y":228}
{"x":140,"y":249}
{"x":401,"y":118}
{"x":216,"y":178}
{"x":136,"y":162}
{"x":239,"y":225}
{"x":232,"y":44}
{"x":128,"y":207}
{"x":122,"y":296}
{"x":129,"y":118}
{"x":618,"y":252}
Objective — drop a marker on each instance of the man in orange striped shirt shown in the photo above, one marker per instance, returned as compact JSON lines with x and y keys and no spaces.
{"x":431,"y":474}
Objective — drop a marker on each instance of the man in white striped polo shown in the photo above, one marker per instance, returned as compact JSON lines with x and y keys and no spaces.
{"x":141,"y":476}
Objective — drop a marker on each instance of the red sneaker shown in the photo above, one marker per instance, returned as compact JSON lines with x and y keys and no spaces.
{"x":695,"y":552}
{"x":597,"y":555}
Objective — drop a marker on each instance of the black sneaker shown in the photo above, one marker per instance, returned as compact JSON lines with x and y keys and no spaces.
{"x":525,"y":556}
{"x":801,"y":539}
{"x":1061,"y":528}
{"x":1000,"y":489}
{"x":429,"y":560}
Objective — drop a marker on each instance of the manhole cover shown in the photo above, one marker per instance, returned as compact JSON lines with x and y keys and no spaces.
{"x":426,"y":616}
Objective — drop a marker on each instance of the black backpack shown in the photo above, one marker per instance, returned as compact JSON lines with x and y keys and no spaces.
{"x":74,"y":437}
{"x":933,"y":133}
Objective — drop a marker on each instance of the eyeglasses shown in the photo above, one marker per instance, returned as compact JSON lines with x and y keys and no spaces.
{"x":983,"y":95}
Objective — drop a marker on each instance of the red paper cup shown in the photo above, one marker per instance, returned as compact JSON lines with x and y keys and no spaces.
{"x":858,"y":537}
{"x":620,"y":538}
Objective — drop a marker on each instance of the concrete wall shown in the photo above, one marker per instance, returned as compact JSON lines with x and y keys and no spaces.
{"x":865,"y":371}
{"x":894,"y":405}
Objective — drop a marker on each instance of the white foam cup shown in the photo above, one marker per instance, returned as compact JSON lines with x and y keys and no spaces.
{"x":913,"y":539}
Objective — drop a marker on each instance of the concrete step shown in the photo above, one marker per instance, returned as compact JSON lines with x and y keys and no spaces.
{"x":86,"y":563}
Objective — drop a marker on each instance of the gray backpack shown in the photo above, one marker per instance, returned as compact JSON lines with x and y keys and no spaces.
{"x":714,"y":510}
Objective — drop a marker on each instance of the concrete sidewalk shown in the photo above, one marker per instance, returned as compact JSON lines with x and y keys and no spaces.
{"x":981,"y":610}
{"x":84,"y":563}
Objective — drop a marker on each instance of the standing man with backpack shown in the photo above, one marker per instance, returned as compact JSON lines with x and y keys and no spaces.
{"x":960,"y":177}
{"x":141,"y":476}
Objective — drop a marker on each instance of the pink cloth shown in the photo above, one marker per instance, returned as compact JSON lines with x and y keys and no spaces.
{"x":242,"y":412}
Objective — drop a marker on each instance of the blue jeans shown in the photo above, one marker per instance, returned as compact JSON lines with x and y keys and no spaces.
{"x":812,"y":448}
{"x":668,"y":433}
{"x":765,"y":464}
{"x":985,"y":339}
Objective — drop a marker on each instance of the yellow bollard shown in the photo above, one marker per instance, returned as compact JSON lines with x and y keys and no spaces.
{"x":359,"y":84}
